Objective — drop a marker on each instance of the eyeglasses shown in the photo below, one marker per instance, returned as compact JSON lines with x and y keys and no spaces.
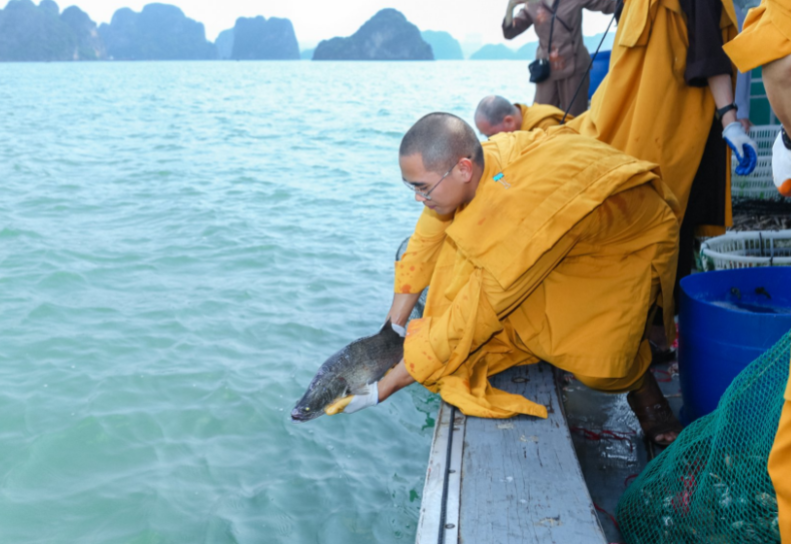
{"x":427,"y":195}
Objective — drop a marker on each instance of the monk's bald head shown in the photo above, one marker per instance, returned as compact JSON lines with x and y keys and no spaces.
{"x":493,"y":109}
{"x":441,"y":139}
{"x":496,"y":114}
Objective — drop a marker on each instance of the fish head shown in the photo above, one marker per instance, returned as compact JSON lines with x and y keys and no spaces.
{"x":326,"y":388}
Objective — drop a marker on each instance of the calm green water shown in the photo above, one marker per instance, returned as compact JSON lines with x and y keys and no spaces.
{"x":181,"y":246}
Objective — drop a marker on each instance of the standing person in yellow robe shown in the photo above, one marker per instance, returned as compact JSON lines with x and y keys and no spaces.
{"x":530,"y":257}
{"x":667,"y":78}
{"x":495,"y":114}
{"x":766,"y":41}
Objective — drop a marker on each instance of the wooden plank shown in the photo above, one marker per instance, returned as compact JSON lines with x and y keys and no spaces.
{"x":431,"y":515}
{"x":509,"y":481}
{"x":521,"y":480}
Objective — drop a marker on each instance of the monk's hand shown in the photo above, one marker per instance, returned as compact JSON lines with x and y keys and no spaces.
{"x":745,"y":147}
{"x":355,"y":403}
{"x":781,"y":164}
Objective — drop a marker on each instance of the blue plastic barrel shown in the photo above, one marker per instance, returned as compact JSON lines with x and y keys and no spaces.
{"x":601,"y":64}
{"x":727,"y":320}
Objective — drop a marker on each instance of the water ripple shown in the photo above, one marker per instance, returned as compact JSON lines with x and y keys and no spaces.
{"x":181,"y":245}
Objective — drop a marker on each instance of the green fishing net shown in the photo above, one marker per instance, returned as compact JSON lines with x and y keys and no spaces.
{"x":711,"y":485}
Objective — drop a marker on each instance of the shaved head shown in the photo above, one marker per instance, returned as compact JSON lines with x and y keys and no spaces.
{"x":493,"y":109}
{"x":441,"y":139}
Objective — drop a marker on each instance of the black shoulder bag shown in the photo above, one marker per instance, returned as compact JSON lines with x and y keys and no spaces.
{"x":539,"y":68}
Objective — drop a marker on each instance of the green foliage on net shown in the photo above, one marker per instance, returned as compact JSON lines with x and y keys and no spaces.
{"x":712,"y":485}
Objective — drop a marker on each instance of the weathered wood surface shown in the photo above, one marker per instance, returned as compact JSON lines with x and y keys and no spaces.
{"x":520,"y":478}
{"x":431,"y":522}
{"x":521,"y":481}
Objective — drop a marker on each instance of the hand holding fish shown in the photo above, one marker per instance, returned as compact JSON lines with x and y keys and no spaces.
{"x":355,"y":403}
{"x":352,"y":378}
{"x":366,"y":399}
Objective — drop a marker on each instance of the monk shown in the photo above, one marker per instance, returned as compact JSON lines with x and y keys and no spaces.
{"x":766,"y":40}
{"x":495,"y":114}
{"x":667,"y":78}
{"x":530,"y":257}
{"x":668,"y":99}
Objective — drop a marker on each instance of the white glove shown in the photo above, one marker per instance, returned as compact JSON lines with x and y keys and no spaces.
{"x":745,"y":147}
{"x":781,"y":166}
{"x":363,"y":400}
{"x":399,"y":329}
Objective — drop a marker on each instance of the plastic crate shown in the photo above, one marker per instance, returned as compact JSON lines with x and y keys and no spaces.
{"x":759,"y":184}
{"x":746,"y":250}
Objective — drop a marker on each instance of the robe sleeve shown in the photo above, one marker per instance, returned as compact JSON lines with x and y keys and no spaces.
{"x":521,"y":22}
{"x":413,"y":272}
{"x":604,"y":6}
{"x":705,"y":56}
{"x":437,"y":346}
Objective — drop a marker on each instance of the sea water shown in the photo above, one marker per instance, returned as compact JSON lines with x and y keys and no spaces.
{"x":182,"y":244}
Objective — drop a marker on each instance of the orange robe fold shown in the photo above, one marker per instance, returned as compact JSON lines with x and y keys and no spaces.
{"x":765,"y":37}
{"x":541,"y":116}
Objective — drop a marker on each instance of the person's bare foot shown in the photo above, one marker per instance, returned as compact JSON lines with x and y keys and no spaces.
{"x":656,"y":335}
{"x":653,"y":412}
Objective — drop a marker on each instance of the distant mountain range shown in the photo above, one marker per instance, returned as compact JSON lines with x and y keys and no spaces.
{"x":528,"y":51}
{"x":30,"y":32}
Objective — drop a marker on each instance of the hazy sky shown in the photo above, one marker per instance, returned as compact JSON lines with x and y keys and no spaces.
{"x":315,"y":20}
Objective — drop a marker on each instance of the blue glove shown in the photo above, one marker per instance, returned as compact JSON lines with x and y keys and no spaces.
{"x":745,"y":147}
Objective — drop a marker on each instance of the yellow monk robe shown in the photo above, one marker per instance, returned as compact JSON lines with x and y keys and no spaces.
{"x":780,"y":468}
{"x":644,"y":106}
{"x":541,"y":116}
{"x":558,"y":261}
{"x":765,"y":37}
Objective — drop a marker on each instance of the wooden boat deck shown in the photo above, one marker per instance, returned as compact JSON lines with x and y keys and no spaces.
{"x":528,"y":480}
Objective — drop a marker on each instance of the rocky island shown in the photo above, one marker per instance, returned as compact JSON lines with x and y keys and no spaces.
{"x":224,"y":44}
{"x":444,"y":46}
{"x":159,"y":32}
{"x":30,"y":33}
{"x":386,"y":36}
{"x":264,"y":39}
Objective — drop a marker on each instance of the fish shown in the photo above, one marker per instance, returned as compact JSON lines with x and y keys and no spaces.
{"x":350,"y":371}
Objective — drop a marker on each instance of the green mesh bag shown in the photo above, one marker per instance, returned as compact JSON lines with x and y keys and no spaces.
{"x":712,"y":485}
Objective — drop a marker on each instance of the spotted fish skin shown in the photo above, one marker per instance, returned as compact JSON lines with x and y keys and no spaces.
{"x":349,"y":371}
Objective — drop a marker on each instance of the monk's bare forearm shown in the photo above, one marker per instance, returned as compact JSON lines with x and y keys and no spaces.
{"x":721,"y":87}
{"x":395,"y":380}
{"x":401,"y":308}
{"x":777,"y":80}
